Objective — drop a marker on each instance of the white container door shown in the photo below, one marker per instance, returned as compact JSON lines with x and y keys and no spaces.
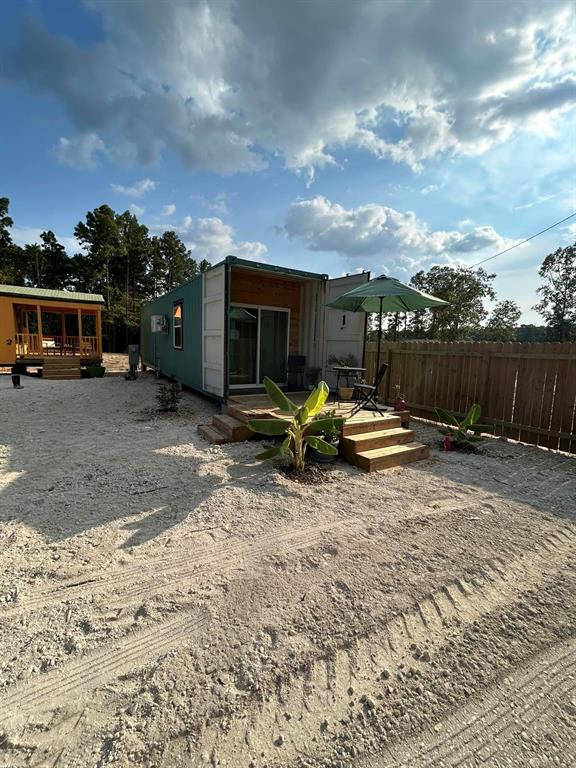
{"x":213,"y":326}
{"x":343,"y":331}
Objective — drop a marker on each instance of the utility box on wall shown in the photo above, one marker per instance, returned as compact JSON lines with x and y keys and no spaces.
{"x":133,"y":354}
{"x":159,"y":324}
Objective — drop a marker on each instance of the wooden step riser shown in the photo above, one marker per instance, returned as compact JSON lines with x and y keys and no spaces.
{"x":361,"y":426}
{"x":208,"y":432}
{"x":238,"y":413}
{"x":369,"y":443}
{"x":236,"y":433}
{"x":61,"y":369}
{"x":56,"y":361}
{"x":394,"y":460}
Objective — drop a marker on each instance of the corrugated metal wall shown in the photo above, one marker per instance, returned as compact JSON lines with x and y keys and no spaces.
{"x":157,"y":349}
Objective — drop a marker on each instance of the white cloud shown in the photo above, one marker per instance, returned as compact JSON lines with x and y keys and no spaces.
{"x":372,"y":229}
{"x":430,"y":188}
{"x":137,"y":189}
{"x":79,"y":151}
{"x":168,"y":210}
{"x":465,"y":223}
{"x":137,"y":210}
{"x":30,"y":235}
{"x":213,"y":240}
{"x":217,"y":204}
{"x":223,"y":85}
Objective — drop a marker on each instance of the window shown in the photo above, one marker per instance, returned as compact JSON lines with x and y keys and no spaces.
{"x":177,"y":325}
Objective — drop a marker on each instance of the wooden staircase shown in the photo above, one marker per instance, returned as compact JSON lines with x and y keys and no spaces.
{"x":379,"y":442}
{"x":65,"y":367}
{"x":226,"y":429}
{"x":369,"y":441}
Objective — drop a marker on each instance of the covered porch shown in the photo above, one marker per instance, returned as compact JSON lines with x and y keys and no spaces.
{"x":44,"y":330}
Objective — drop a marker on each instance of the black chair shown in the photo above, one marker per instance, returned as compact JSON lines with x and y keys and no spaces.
{"x":367,"y":393}
{"x":295,"y":371}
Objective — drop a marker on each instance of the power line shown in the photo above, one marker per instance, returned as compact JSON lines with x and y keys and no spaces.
{"x":523,"y":241}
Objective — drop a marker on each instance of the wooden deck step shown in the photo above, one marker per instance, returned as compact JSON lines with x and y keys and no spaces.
{"x":213,"y":435}
{"x":242,"y":414}
{"x":61,"y":368}
{"x":391,"y":456}
{"x":367,"y":441}
{"x":233,"y":428}
{"x":367,"y":422}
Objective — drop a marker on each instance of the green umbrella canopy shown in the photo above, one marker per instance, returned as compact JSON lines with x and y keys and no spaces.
{"x":385,"y":294}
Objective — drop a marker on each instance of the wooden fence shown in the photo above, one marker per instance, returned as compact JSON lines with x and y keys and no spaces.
{"x":527,"y":390}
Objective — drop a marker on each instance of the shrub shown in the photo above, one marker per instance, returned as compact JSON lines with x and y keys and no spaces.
{"x":168,"y":397}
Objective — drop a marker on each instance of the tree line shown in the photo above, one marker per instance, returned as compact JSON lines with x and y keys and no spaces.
{"x":120,"y":259}
{"x":126,"y":264}
{"x":466,"y":317}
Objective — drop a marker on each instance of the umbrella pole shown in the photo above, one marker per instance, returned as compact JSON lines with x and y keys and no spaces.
{"x":379,"y":338}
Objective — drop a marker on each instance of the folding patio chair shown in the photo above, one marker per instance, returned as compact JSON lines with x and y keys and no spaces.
{"x":367,"y":393}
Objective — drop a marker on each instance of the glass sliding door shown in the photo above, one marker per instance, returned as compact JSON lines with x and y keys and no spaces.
{"x":273,"y":345}
{"x":243,"y":345}
{"x":258,"y":345}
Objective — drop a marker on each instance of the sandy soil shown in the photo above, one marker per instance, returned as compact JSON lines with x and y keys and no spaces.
{"x":168,"y":603}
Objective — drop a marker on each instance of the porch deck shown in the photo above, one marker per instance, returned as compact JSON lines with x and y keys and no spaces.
{"x":260,"y":407}
{"x":369,"y":441}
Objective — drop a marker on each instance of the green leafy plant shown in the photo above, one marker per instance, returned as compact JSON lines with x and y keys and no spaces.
{"x":331,"y":433}
{"x":300,"y":427}
{"x":168,"y":397}
{"x":466,"y":431}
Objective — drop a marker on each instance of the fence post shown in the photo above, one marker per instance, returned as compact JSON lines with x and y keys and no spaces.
{"x":389,"y":373}
{"x":486,"y":360}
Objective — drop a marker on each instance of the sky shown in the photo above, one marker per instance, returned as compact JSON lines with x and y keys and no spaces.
{"x":326,"y":135}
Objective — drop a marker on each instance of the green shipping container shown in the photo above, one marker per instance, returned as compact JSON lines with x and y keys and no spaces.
{"x":239,"y":321}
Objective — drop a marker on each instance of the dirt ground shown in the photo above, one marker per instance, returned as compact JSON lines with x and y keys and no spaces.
{"x":165,"y":603}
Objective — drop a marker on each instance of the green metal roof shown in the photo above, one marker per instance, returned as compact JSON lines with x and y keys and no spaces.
{"x":258,"y":265}
{"x":24,"y":292}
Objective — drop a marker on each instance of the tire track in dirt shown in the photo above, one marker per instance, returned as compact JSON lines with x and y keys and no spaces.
{"x":80,"y":676}
{"x":142,"y":580}
{"x":507,"y":708}
{"x":323,"y":691}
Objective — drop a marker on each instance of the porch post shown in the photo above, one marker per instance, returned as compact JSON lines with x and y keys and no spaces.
{"x":80,"y":331}
{"x":63,"y":330}
{"x":99,"y":331}
{"x":40,"y":333}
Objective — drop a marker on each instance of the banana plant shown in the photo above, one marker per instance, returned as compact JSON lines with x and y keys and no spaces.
{"x":297,"y":424}
{"x":466,"y":431}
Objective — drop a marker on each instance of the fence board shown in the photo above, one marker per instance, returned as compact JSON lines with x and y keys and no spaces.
{"x":528,"y":390}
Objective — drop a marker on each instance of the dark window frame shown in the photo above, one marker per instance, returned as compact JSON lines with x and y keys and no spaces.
{"x":179,"y":303}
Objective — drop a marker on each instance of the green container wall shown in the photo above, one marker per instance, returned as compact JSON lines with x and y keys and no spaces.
{"x":184,"y":365}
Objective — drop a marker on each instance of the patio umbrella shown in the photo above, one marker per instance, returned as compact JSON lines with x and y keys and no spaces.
{"x":384,"y":294}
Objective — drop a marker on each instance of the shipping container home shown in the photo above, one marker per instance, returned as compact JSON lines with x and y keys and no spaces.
{"x":46,"y":328}
{"x":239,"y":321}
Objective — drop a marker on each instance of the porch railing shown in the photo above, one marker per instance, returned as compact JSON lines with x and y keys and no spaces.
{"x":33,"y":345}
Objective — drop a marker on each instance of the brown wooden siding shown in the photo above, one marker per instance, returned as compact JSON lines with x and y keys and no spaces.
{"x":251,"y":287}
